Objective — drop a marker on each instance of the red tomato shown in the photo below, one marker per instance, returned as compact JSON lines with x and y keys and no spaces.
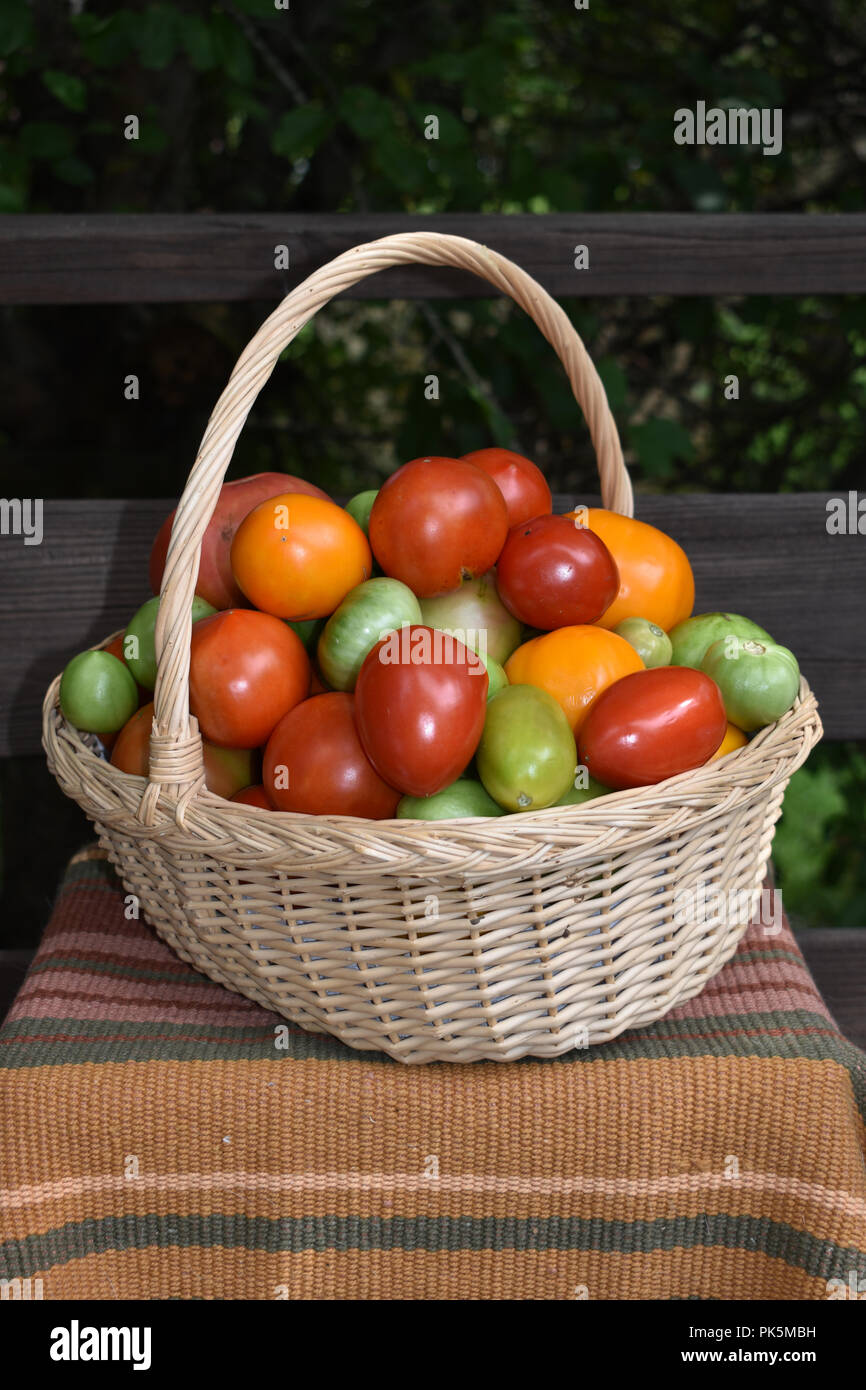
{"x":225,"y":769}
{"x":652,"y":725}
{"x":420,"y":702}
{"x":521,"y":482}
{"x":314,"y":763}
{"x":215,"y":581}
{"x":247,"y":669}
{"x":436,"y":522}
{"x":253,"y":796}
{"x":552,"y":573}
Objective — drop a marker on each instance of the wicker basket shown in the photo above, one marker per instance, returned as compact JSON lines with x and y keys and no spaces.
{"x":431,"y":941}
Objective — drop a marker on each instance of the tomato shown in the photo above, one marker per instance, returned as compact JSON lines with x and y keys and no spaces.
{"x":309,"y":631}
{"x":552,"y":573}
{"x":576,"y":796}
{"x":521,"y":482}
{"x":226,"y":770}
{"x":420,"y":701}
{"x":526,"y":757}
{"x":759,"y":681}
{"x":655,"y":577}
{"x":496,"y":677}
{"x":360,"y":507}
{"x":465,"y":797}
{"x":215,"y":581}
{"x":475,"y":614}
{"x":297,"y":556}
{"x":366,"y":615}
{"x":139,"y":647}
{"x":253,"y":796}
{"x":246,"y":671}
{"x":314,"y":763}
{"x":691,"y":640}
{"x":97,"y":692}
{"x":652,"y":725}
{"x":651,"y":643}
{"x":437,"y":521}
{"x":574,"y":665}
{"x":734,"y":739}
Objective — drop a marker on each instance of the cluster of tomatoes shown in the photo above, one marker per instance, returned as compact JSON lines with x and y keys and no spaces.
{"x":444,"y":647}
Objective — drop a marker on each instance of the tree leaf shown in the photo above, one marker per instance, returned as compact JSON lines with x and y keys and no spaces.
{"x":67,"y":88}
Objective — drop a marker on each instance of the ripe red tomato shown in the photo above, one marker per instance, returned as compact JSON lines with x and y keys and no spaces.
{"x":521,"y":482}
{"x":652,"y":725}
{"x":420,"y":701}
{"x":247,"y":669}
{"x":215,"y":581}
{"x":436,"y":522}
{"x":225,"y":769}
{"x":552,"y":573}
{"x":314,"y":763}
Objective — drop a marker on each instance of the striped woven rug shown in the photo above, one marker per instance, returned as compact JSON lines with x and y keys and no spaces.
{"x":161,"y":1137}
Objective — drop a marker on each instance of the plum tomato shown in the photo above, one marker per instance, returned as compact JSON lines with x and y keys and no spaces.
{"x":246,"y":670}
{"x":521,"y":482}
{"x":552,"y":573}
{"x":314,"y":763}
{"x":437,"y":521}
{"x":226,"y":770}
{"x":297,"y":557}
{"x":420,"y":701}
{"x":526,"y":758}
{"x":652,"y":725}
{"x":215,"y":581}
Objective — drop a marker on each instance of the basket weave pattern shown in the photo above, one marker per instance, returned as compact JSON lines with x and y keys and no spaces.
{"x":458,"y":941}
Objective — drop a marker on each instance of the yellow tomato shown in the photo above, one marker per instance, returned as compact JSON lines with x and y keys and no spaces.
{"x":655,"y":577}
{"x":574,"y":665}
{"x":734,"y":739}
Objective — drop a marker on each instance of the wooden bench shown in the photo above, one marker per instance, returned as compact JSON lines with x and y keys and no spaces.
{"x":770,"y":556}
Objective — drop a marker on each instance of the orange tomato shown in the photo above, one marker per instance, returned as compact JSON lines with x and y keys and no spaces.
{"x":655,"y":577}
{"x":297,"y":556}
{"x":734,"y":739}
{"x":574,"y":665}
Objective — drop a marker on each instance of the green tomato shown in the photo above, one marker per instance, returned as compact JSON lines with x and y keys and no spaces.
{"x":463,"y":798}
{"x":692,"y":639}
{"x":527,"y":756}
{"x":97,"y":693}
{"x":360,"y":507}
{"x":309,"y":631}
{"x":575,"y":796}
{"x":759,"y":681}
{"x":477,"y":616}
{"x":367,"y":613}
{"x":139,"y":648}
{"x":496,"y":677}
{"x":650,"y":641}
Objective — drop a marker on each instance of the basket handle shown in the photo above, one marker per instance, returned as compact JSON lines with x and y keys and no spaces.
{"x":175,"y":762}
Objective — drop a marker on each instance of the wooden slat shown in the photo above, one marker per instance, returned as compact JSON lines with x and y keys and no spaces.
{"x":138,"y":258}
{"x":768,"y":557}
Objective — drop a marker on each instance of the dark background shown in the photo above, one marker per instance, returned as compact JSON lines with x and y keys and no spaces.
{"x":541,"y":107}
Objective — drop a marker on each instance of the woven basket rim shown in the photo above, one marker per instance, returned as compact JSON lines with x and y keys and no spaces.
{"x":689,"y":799}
